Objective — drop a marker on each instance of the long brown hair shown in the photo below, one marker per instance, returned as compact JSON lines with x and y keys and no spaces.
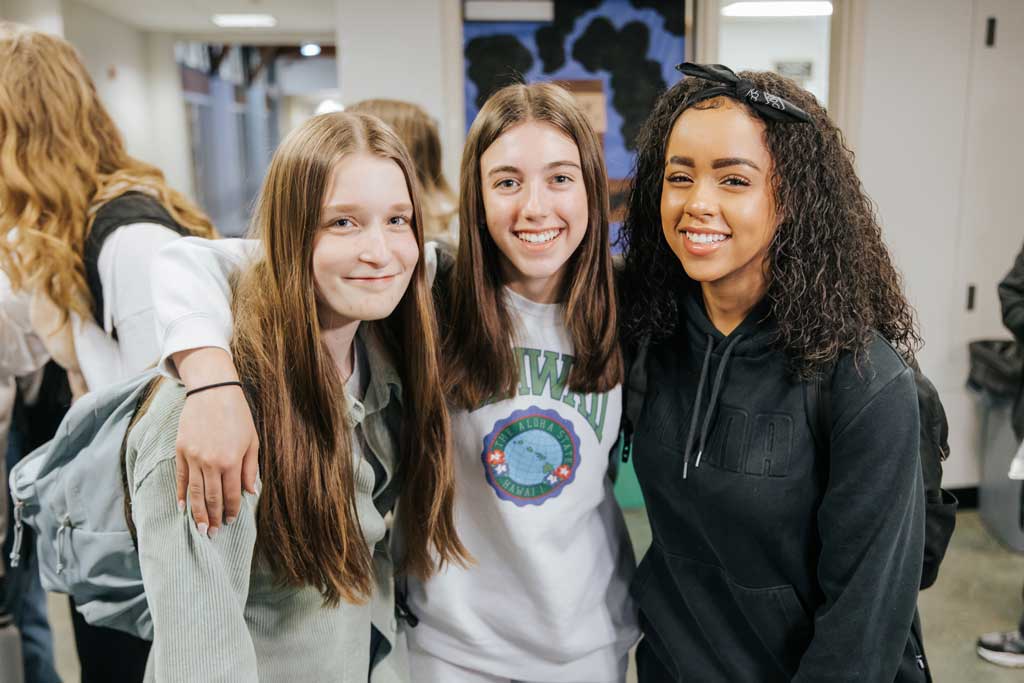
{"x":60,"y":156}
{"x":308,"y":528}
{"x":418,"y":132}
{"x":479,"y":356}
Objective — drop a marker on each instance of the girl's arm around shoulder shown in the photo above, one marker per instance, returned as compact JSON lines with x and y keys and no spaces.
{"x":196,"y":586}
{"x":871,"y":523}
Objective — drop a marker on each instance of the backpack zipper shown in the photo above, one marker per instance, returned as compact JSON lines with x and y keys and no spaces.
{"x":65,"y":525}
{"x":19,"y":533}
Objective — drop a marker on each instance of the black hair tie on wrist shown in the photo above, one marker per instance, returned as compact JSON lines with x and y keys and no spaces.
{"x":766,"y":104}
{"x":212,"y":386}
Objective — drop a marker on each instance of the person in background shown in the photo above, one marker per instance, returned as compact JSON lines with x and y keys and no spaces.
{"x":1006,"y":648}
{"x":418,"y":133}
{"x":80,"y":220}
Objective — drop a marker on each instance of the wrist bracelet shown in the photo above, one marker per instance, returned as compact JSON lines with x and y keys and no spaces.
{"x":212,"y":386}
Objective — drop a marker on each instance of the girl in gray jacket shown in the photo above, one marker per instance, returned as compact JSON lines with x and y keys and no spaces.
{"x":299,"y":586}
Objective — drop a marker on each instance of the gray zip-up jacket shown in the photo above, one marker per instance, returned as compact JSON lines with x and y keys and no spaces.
{"x":218,"y":614}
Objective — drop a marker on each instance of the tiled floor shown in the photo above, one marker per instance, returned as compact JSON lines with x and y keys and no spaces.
{"x":978,"y":590}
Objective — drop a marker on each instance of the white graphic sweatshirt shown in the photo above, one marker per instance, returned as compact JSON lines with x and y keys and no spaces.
{"x":548,"y":596}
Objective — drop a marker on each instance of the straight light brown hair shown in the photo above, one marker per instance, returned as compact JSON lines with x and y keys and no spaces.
{"x":61,"y":156}
{"x":308,"y":528}
{"x":480,"y":363}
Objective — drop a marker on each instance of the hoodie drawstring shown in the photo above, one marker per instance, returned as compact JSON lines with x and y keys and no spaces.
{"x":696,"y":406}
{"x":716,"y":391}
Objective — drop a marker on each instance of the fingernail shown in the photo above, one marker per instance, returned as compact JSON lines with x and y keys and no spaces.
{"x":230,"y":520}
{"x":213,"y":533}
{"x":202,"y":528}
{"x":181,"y":506}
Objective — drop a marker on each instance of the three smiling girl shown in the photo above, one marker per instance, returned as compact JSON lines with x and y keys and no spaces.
{"x":753,"y":264}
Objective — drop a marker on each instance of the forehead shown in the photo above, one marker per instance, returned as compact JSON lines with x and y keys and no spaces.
{"x":362,"y":177}
{"x":530,"y":144}
{"x":727,"y":130}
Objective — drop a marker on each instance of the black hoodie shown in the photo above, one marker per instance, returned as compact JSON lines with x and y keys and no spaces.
{"x":770,"y":561}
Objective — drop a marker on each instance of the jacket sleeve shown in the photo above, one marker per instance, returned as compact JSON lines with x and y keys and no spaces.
{"x":192,"y":294}
{"x":196,"y":587}
{"x":871,"y":523}
{"x":1011,"y":298}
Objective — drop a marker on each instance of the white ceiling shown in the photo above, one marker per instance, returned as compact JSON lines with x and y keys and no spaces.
{"x":296,"y":19}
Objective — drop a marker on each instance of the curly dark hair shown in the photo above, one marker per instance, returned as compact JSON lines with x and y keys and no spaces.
{"x":831,"y":281}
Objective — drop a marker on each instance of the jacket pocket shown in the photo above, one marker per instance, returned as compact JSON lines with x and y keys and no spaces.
{"x":778,"y":620}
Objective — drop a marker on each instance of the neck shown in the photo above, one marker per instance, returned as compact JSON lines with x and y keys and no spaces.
{"x":728,"y":304}
{"x":540,"y":290}
{"x":338,"y":336}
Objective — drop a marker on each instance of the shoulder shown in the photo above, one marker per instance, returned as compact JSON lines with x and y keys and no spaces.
{"x":877,"y":374}
{"x":151,"y":440}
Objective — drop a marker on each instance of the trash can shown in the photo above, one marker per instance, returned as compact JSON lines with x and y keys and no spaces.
{"x":995,"y":377}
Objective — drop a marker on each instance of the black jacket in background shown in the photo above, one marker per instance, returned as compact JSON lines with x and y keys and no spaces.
{"x":1011,"y":299}
{"x":769,"y":562}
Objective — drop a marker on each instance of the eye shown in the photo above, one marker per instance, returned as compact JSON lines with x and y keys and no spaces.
{"x":400,"y":220}
{"x":678,"y":178}
{"x":507,"y":184}
{"x":736,"y":181}
{"x":561,"y":179}
{"x":342,"y":223}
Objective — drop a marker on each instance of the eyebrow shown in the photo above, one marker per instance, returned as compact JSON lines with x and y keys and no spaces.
{"x":716,"y":164}
{"x":354,"y":208}
{"x":547,"y":167}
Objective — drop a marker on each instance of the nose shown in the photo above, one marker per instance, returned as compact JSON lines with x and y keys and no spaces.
{"x":374,"y":248}
{"x":536,"y":207}
{"x":700,"y":204}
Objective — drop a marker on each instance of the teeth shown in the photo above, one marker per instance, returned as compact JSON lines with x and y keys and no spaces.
{"x":704,"y":238}
{"x":537,"y":237}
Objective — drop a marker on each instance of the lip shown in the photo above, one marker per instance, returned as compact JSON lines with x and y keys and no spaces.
{"x":702,"y":249}
{"x":375,"y":281}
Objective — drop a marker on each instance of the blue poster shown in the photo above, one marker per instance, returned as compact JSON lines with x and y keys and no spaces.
{"x":623,"y":51}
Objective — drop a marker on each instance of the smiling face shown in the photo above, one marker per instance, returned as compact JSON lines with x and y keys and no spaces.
{"x":535,"y":203}
{"x":365,"y":251}
{"x":717,"y":204}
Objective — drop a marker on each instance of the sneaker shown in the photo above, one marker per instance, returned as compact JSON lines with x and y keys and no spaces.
{"x":1004,"y":649}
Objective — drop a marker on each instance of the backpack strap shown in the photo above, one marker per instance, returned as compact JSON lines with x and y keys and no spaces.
{"x":632,"y":404}
{"x":127,"y":209}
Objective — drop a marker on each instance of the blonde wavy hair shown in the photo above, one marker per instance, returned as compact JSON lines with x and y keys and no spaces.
{"x":61,"y":156}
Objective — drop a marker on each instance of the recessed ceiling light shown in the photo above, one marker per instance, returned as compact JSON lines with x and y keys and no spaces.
{"x":310,"y":50}
{"x":244,"y":20}
{"x":792,"y":8}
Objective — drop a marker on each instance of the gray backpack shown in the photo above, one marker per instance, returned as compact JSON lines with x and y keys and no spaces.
{"x":71,"y":492}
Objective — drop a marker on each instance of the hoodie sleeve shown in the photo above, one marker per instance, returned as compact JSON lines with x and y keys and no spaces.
{"x":871,"y":522}
{"x":192,"y":294}
{"x":1011,"y":298}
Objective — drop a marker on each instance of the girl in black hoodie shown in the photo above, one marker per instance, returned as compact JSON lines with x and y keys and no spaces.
{"x":776,"y":438}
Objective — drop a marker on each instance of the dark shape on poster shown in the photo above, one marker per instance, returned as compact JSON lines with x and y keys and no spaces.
{"x":495,"y":61}
{"x":551,"y":38}
{"x":635,"y":80}
{"x":674,"y":14}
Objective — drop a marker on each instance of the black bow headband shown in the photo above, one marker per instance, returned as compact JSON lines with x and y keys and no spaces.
{"x":766,"y":104}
